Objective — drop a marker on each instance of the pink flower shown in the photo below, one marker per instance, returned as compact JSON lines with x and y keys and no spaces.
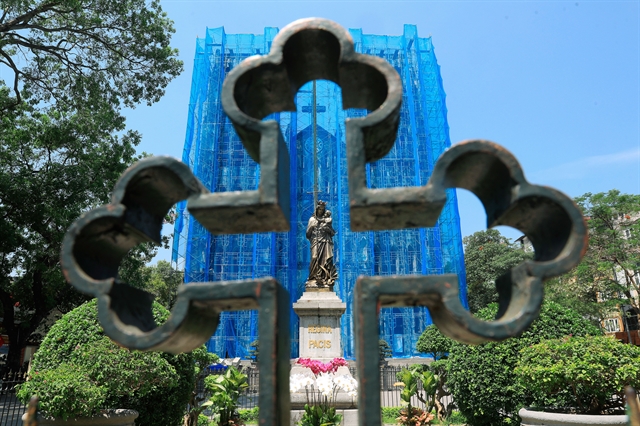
{"x":318,"y":367}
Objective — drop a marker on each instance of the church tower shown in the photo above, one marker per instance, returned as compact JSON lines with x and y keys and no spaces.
{"x":315,"y":137}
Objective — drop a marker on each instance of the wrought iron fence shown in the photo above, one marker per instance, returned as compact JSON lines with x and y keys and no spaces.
{"x":11,"y":409}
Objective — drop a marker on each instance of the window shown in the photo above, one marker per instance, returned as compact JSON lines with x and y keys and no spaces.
{"x":612,"y":325}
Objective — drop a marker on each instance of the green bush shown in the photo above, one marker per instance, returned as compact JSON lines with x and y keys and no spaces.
{"x":157,"y":385}
{"x":390,"y":414}
{"x":65,"y":391}
{"x":580,"y":372}
{"x":249,"y":415}
{"x":482,"y":378}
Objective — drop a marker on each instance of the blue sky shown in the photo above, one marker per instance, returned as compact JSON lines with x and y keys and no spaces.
{"x":557,"y":83}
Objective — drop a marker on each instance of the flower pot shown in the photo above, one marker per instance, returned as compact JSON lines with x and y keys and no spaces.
{"x":119,"y":417}
{"x":539,"y":418}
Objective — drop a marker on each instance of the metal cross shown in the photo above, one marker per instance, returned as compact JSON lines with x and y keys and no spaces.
{"x":307,"y":50}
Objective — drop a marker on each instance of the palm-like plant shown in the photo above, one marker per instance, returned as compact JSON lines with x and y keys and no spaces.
{"x":409,"y":380}
{"x":226,"y":390}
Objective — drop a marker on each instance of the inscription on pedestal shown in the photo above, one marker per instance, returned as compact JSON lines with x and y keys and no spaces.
{"x":319,"y":314}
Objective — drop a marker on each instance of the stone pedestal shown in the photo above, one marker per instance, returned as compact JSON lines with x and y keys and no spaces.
{"x":320,"y":313}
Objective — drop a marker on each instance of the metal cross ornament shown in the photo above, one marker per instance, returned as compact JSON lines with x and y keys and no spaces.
{"x":303,"y":51}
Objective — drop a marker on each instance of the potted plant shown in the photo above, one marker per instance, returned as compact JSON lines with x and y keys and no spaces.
{"x":78,"y":373}
{"x":578,"y":380}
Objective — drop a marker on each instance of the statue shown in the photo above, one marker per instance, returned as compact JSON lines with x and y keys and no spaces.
{"x":320,"y":232}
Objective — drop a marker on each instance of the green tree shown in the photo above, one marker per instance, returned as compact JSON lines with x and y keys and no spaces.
{"x":609,"y":273}
{"x":481,"y":378}
{"x":94,"y":54}
{"x":384,"y":351}
{"x":434,"y":343}
{"x":164,"y":282}
{"x":53,"y":167}
{"x":75,"y":64}
{"x":196,"y":405}
{"x":487,"y":256}
{"x":226,"y":389}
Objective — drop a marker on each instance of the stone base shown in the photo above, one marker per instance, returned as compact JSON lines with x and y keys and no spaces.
{"x":349,"y":417}
{"x":320,"y":314}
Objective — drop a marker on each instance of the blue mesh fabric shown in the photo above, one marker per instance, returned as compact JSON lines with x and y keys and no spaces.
{"x":214,"y":151}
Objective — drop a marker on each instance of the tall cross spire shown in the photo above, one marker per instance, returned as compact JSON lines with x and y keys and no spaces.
{"x":315,"y":147}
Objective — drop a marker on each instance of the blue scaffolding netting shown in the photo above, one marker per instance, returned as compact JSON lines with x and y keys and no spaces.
{"x":214,"y":152}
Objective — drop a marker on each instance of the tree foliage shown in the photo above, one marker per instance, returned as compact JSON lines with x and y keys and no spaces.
{"x":588,"y":374}
{"x":53,"y":167}
{"x":384,"y":350}
{"x":434,"y":343}
{"x":163,"y":282}
{"x":609,"y":273}
{"x":95,"y":54}
{"x":487,"y":256}
{"x":482,"y":378}
{"x":64,"y":142}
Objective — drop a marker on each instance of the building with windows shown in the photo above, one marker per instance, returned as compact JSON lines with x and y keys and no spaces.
{"x":315,"y":137}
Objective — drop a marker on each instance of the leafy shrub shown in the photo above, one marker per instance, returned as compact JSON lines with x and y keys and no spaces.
{"x":580,"y":372}
{"x":249,"y":415}
{"x":65,"y":391}
{"x":482,"y":378}
{"x":434,"y":343}
{"x":409,"y":381}
{"x":226,"y":390}
{"x":157,"y":385}
{"x":390,"y":414}
{"x":202,"y":420}
{"x":456,"y":418}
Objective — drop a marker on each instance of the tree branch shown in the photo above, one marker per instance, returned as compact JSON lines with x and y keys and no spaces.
{"x":18,"y":22}
{"x":16,"y":73}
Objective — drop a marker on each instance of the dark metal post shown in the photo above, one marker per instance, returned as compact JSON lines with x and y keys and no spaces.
{"x":315,"y":146}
